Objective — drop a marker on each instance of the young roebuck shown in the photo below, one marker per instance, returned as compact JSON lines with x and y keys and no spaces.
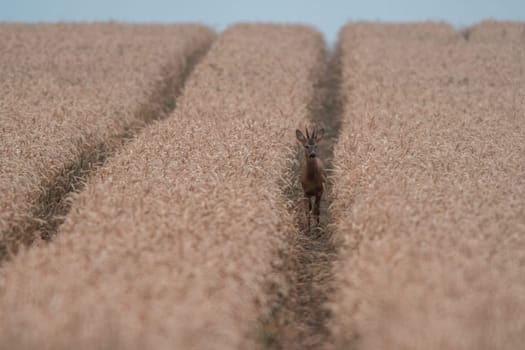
{"x":313,"y":175}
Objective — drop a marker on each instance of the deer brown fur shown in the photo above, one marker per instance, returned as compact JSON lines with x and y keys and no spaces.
{"x":313,"y":175}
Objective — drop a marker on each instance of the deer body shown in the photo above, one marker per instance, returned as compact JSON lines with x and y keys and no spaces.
{"x":313,"y":175}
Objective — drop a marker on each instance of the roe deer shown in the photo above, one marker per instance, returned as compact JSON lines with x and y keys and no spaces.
{"x":313,"y":175}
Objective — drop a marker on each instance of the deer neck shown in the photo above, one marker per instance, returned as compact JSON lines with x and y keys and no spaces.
{"x":312,"y":167}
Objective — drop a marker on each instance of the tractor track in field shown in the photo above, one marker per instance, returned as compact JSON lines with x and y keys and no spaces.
{"x":298,"y":316}
{"x":52,"y":206}
{"x":54,"y":203}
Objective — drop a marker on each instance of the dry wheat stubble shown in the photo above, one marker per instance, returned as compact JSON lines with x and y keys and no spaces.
{"x":430,"y":189}
{"x":171,"y":243}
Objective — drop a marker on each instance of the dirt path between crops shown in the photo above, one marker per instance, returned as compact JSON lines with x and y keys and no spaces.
{"x":298,"y":316}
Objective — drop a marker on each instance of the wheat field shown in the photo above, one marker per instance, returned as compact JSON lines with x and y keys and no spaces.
{"x":430,"y":188}
{"x":69,"y":93}
{"x":149,"y":193}
{"x":172,"y":241}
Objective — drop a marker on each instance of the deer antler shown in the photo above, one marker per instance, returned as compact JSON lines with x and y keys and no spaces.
{"x":307,"y":136}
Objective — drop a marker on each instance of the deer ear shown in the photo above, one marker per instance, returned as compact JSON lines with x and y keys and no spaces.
{"x":319,"y":134}
{"x":300,"y":136}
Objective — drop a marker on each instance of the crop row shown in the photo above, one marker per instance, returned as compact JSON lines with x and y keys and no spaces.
{"x":68,"y":96}
{"x":172,"y":243}
{"x":430,"y":189}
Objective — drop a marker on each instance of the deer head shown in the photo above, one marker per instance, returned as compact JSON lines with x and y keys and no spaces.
{"x":310,"y":141}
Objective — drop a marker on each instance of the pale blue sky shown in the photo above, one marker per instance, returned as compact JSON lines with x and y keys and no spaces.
{"x":328,"y":15}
